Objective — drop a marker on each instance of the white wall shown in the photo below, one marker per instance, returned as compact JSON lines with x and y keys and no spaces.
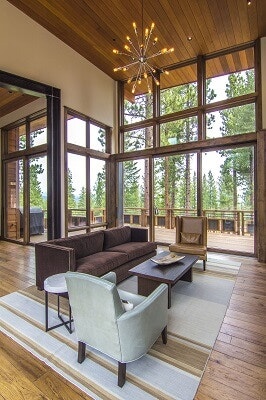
{"x":30,"y":51}
{"x":263,"y":80}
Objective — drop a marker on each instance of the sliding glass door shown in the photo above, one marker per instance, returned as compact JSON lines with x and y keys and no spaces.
{"x":228,"y":198}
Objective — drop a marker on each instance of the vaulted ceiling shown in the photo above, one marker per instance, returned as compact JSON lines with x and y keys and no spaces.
{"x":94,"y":28}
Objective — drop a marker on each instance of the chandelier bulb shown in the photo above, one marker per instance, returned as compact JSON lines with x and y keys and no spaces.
{"x":139,"y":53}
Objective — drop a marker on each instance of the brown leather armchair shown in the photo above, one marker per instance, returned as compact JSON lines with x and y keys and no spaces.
{"x":191,"y":237}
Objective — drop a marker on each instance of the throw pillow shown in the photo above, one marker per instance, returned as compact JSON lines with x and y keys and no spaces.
{"x":190,"y":238}
{"x":127,"y":305}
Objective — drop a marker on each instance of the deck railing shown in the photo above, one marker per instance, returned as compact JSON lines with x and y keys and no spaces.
{"x":240,"y":222}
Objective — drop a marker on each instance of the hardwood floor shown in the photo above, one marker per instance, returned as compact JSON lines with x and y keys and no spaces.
{"x":236,"y":368}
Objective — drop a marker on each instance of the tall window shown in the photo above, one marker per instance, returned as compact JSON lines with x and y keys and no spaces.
{"x":135,"y":193}
{"x":185,"y":126}
{"x":87,"y":142}
{"x":175,"y":192}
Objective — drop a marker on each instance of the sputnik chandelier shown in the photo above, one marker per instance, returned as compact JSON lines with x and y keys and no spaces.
{"x":141,"y":51}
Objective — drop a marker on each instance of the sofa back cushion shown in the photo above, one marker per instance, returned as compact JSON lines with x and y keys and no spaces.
{"x":116,"y":236}
{"x":85,"y":244}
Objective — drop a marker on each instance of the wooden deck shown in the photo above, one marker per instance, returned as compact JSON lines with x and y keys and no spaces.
{"x":235,"y":370}
{"x":216,"y":240}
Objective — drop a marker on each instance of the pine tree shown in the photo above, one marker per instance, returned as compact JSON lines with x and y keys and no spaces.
{"x":238,"y":164}
{"x":70,"y":191}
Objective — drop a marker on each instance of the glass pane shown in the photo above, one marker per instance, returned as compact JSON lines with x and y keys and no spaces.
{"x":180,"y":131}
{"x":175,"y":193}
{"x":230,"y":86}
{"x":38,"y":132}
{"x":76,"y":131}
{"x":135,"y":192}
{"x":14,"y":194}
{"x":38,"y":197}
{"x":16,"y":139}
{"x":138,"y":139}
{"x":76,"y":190}
{"x":232,"y":121}
{"x":139,"y":106}
{"x":179,"y":90}
{"x":98,"y":190}
{"x":230,"y":69}
{"x":97,"y":138}
{"x":228,"y":198}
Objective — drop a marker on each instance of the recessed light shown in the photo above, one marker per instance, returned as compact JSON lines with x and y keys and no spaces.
{"x":189,"y":38}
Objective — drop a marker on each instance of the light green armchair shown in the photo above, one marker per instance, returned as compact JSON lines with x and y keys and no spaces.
{"x":102,"y":322}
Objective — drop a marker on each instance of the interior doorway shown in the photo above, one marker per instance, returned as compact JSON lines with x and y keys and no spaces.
{"x":20,"y":166}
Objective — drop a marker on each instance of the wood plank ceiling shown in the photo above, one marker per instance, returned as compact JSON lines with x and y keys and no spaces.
{"x":95,"y":28}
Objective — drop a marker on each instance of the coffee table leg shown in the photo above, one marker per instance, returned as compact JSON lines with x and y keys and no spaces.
{"x":147,"y":286}
{"x":187,"y":276}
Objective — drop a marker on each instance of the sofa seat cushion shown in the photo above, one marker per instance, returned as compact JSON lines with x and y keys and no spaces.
{"x":134,"y":249}
{"x":116,"y":236}
{"x":196,"y":249}
{"x":84,"y":245}
{"x":100,"y":263}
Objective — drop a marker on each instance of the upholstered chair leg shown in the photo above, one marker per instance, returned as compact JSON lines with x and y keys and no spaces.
{"x":204,"y":265}
{"x":121,"y":373}
{"x":81,"y":351}
{"x":164,"y":335}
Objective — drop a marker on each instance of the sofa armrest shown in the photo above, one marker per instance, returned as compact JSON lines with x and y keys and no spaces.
{"x":51,"y":259}
{"x":139,"y":235}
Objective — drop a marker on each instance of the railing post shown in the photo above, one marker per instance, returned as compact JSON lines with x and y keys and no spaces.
{"x":238,"y":218}
{"x":143,"y":217}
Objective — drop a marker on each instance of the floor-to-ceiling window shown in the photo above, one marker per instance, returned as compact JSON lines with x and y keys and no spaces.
{"x":87,"y":152}
{"x":25,"y":179}
{"x":198,"y":131}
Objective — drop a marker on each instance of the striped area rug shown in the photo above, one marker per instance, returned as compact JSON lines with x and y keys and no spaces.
{"x":166,"y":372}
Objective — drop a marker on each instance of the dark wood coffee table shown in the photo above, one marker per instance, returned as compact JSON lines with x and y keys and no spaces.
{"x":151,"y":275}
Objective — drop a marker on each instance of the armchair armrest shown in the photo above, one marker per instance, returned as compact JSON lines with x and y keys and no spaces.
{"x":51,"y":259}
{"x":140,"y":327}
{"x":110,"y":277}
{"x":139,"y":234}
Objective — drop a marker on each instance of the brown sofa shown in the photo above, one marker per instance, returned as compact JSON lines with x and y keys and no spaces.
{"x":96,"y":253}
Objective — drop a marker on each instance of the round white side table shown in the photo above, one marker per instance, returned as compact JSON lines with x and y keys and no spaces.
{"x":56,"y":284}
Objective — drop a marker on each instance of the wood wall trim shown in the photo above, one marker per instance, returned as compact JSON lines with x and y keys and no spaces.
{"x":261,"y":196}
{"x":208,"y":144}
